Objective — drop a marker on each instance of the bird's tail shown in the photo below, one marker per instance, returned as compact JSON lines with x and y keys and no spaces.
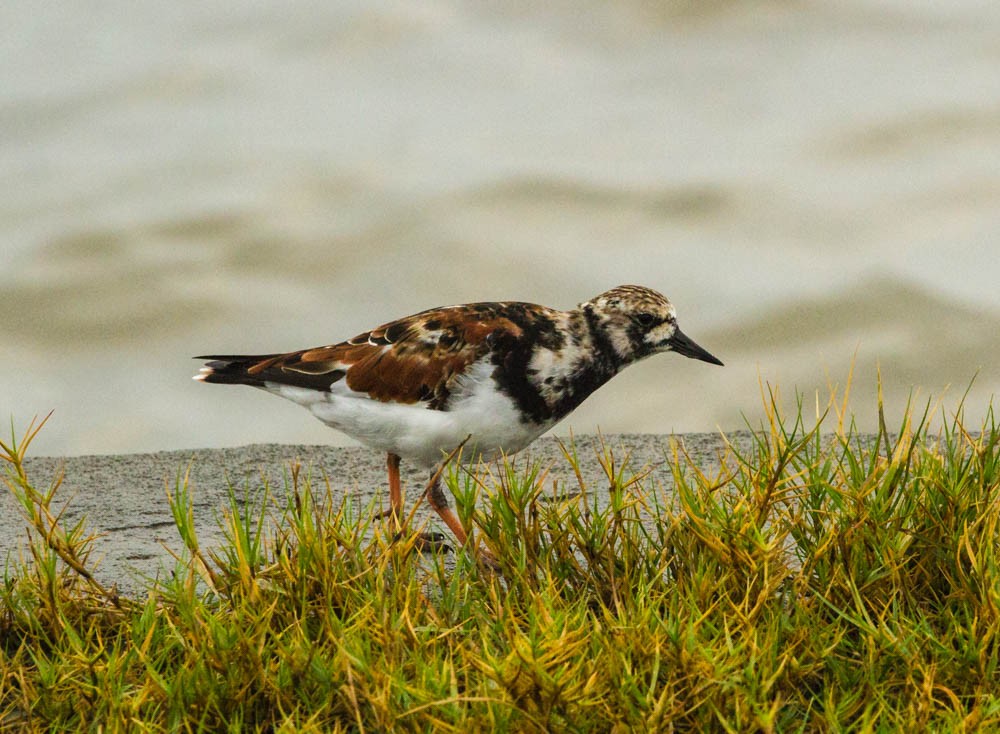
{"x":234,"y":369}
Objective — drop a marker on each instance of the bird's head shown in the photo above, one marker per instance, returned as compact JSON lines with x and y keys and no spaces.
{"x":638,"y":322}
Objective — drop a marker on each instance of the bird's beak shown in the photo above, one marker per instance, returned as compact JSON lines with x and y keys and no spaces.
{"x":682,"y":344}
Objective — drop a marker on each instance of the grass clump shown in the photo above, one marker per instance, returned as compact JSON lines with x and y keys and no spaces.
{"x":817,"y":581}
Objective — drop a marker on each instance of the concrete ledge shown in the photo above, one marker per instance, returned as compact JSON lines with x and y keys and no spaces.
{"x":123,"y":497}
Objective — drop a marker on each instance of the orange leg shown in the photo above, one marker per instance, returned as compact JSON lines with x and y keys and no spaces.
{"x":395,"y":489}
{"x":437,"y":499}
{"x":439,"y":503}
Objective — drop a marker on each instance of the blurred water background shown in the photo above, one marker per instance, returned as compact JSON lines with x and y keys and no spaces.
{"x":810,"y":182}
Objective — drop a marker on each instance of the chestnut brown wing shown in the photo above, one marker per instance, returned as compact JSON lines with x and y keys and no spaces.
{"x":414,"y":359}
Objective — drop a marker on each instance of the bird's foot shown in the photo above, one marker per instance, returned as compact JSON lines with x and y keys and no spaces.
{"x":431,"y":541}
{"x":389,"y":514}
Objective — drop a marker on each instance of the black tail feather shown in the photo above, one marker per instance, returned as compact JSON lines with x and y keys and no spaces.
{"x":232,"y":369}
{"x":259,"y":369}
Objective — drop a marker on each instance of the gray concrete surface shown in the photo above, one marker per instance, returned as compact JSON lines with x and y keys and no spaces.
{"x":123,"y":497}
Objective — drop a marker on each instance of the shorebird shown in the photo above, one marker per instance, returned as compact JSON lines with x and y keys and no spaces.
{"x":498,"y":374}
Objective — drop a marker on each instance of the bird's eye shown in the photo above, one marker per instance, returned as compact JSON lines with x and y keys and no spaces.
{"x":645,"y":319}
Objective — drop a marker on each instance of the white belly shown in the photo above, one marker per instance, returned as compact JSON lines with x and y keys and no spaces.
{"x":417,"y":433}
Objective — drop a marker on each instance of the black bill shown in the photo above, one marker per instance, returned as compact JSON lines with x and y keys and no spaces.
{"x":681,"y":344}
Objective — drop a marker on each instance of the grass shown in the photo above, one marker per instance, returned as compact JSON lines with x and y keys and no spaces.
{"x":822,"y":580}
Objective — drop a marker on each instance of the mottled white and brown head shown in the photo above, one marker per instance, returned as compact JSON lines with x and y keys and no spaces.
{"x":636,"y":322}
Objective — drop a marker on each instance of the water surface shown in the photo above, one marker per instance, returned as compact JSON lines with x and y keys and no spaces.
{"x":811,"y":183}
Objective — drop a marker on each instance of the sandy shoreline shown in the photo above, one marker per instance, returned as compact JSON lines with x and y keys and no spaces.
{"x":123,"y":497}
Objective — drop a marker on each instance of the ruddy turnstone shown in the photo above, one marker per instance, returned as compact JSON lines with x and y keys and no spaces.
{"x":500,"y":373}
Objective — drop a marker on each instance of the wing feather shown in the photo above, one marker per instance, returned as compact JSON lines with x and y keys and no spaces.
{"x":411,"y":360}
